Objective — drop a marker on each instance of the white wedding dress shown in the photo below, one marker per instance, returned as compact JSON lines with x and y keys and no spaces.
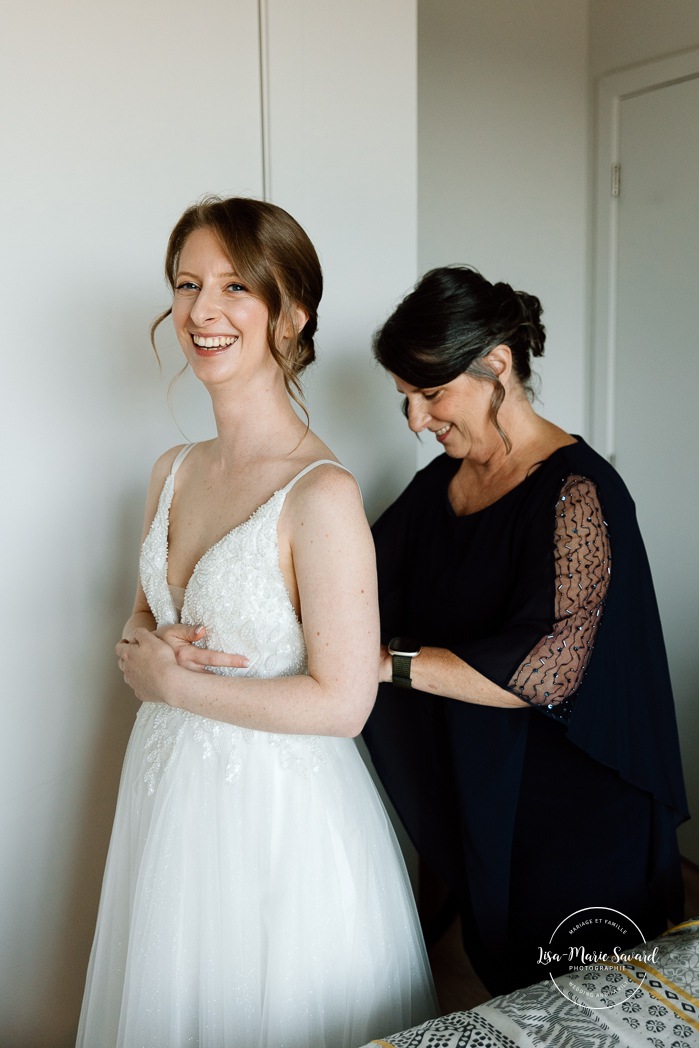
{"x":254,"y":894}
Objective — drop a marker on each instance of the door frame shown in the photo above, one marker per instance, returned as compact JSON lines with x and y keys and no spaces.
{"x":612,"y":90}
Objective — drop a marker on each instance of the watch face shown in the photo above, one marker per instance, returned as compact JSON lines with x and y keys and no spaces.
{"x":404,"y":646}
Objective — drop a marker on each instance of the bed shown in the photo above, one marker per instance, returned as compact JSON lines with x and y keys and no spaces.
{"x":651,"y":1000}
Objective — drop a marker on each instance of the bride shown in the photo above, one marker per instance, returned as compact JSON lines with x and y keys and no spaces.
{"x":254,"y":894}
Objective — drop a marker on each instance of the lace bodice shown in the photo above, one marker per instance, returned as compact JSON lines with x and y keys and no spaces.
{"x":236,"y":590}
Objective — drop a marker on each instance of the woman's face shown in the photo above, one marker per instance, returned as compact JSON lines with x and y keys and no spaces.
{"x":220,"y":325}
{"x":457,"y":413}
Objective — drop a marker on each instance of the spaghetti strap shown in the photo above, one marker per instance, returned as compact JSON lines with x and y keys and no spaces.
{"x":307,"y":469}
{"x":180,"y":457}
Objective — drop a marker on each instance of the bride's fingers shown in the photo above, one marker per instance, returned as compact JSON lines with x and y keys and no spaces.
{"x":204,"y":658}
{"x":180,"y":633}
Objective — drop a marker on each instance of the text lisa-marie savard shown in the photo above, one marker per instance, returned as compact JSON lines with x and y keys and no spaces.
{"x":583,"y":956}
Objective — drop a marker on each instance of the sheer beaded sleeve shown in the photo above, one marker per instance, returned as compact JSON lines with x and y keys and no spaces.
{"x":554,"y":669}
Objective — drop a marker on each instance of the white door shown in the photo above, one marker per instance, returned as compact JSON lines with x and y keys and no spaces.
{"x":652,"y":372}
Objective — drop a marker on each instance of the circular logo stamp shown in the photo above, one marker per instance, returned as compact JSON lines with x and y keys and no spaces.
{"x":596,"y":958}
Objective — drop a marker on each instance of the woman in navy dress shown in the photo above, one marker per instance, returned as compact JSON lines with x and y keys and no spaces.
{"x":525,"y":727}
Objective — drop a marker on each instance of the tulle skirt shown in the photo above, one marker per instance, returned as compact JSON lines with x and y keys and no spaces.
{"x":254,"y":897}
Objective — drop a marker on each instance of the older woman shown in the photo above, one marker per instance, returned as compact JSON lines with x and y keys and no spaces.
{"x":525,"y":728}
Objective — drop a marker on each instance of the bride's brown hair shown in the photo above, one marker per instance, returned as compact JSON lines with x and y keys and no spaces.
{"x":276,"y":261}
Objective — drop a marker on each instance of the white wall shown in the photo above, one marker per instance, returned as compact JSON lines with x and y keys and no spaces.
{"x":627,"y":32}
{"x":503,"y":164}
{"x":342,"y":143}
{"x":122,"y":115}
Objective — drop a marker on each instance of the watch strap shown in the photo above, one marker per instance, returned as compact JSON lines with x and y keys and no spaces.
{"x":401,"y":671}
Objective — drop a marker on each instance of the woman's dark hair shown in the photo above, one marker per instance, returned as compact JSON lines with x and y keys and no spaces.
{"x":450,"y":321}
{"x":276,"y":261}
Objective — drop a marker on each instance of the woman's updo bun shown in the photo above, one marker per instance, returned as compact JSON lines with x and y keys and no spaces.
{"x":519,"y":318}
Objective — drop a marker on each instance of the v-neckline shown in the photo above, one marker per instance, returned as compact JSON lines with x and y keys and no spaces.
{"x":236,"y":527}
{"x":209,"y":549}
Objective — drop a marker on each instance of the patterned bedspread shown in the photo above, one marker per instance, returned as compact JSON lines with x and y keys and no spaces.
{"x":653,"y":1002}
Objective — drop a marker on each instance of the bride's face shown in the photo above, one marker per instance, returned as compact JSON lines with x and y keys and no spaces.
{"x":220,"y":325}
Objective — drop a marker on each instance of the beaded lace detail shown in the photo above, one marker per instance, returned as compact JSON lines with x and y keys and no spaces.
{"x":554,"y":669}
{"x":237,"y":591}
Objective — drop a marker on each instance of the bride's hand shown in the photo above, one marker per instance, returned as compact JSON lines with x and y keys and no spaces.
{"x":146,"y":658}
{"x":181,"y":639}
{"x":145,"y":661}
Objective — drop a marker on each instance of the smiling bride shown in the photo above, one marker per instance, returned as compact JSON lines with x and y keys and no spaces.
{"x":254,"y":894}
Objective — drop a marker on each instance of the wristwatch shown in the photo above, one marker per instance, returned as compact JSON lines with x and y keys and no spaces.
{"x":403,"y":650}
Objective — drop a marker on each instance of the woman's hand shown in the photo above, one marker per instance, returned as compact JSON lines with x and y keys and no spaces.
{"x":150,"y":657}
{"x":182,"y":640}
{"x":438,"y":671}
{"x":146,"y":661}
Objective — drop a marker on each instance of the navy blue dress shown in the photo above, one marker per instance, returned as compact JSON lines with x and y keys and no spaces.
{"x":530,"y":814}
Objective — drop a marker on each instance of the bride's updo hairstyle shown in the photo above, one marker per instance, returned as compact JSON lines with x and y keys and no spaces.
{"x":450,"y":322}
{"x":274,"y":259}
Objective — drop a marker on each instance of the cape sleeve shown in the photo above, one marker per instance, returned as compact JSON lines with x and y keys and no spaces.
{"x":561,"y":576}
